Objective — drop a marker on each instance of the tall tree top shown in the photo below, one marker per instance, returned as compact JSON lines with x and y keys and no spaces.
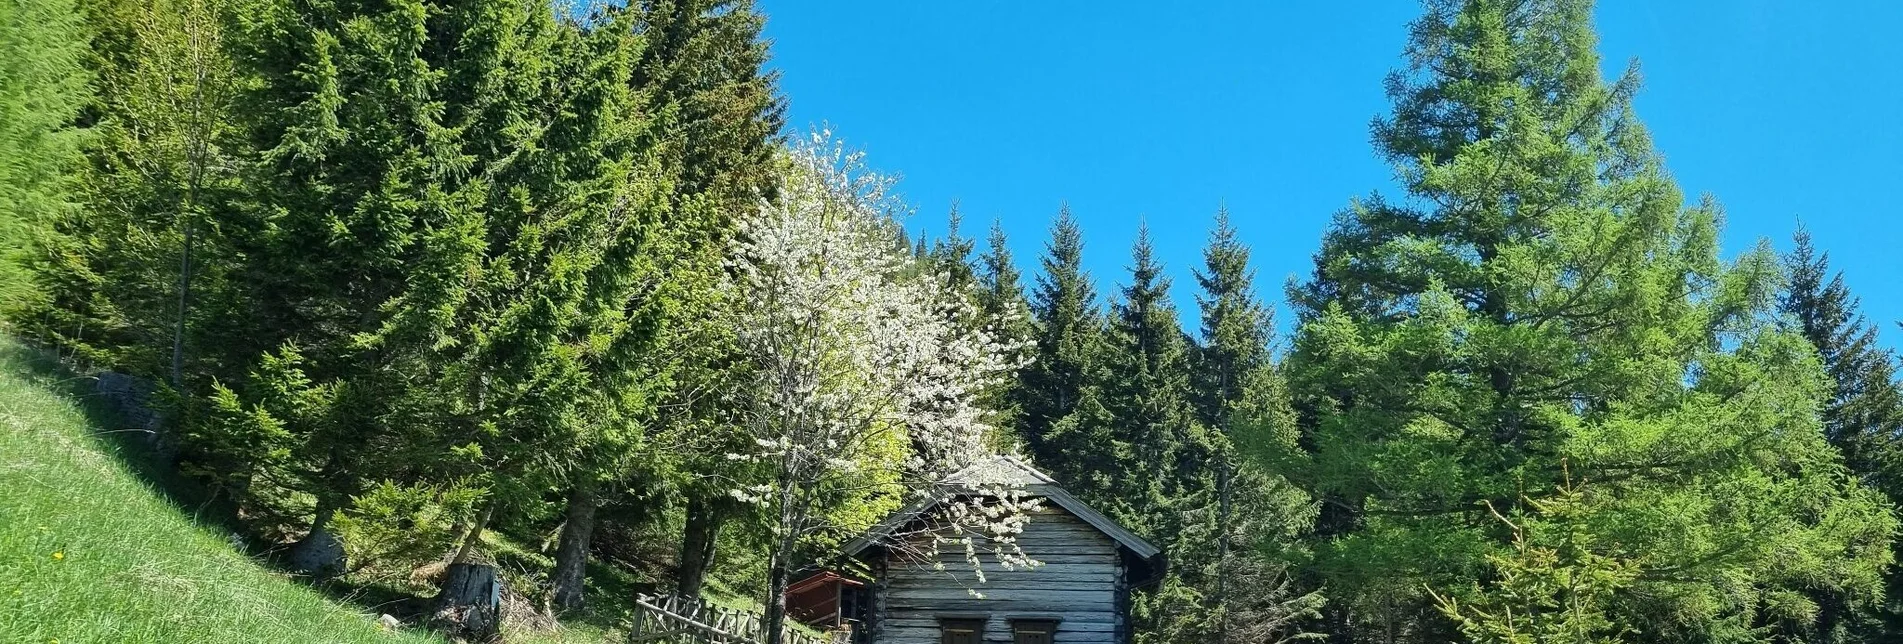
{"x":1505,"y":137}
{"x":1063,"y":287}
{"x":1147,"y":294}
{"x":1236,"y":327}
{"x":719,"y":110}
{"x":997,"y":273}
{"x":1865,"y":412}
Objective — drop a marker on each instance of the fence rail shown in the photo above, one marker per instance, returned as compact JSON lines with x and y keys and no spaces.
{"x":672,"y":619}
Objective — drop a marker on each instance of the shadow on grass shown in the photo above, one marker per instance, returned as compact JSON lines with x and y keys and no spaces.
{"x":113,"y":434}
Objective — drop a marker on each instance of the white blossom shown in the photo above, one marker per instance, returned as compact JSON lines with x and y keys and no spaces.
{"x":863,"y":365}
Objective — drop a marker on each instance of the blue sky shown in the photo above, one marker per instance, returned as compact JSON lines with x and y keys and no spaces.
{"x":1784,"y":110}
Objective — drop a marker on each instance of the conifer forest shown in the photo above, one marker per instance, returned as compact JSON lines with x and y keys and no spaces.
{"x":399,"y":298}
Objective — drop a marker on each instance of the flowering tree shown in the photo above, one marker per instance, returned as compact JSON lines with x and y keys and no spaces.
{"x":861,"y":372}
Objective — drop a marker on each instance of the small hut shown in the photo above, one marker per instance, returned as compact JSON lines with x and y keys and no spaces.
{"x":1079,"y":594}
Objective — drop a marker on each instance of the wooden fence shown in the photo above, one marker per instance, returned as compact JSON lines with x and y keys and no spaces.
{"x":671,"y":619}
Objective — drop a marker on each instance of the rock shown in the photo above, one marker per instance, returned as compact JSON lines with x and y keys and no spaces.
{"x":389,"y":622}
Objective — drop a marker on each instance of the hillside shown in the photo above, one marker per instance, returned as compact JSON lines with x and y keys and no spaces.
{"x":90,"y":553}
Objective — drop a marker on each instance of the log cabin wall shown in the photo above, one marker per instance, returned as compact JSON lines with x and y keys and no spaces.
{"x":1080,"y":587}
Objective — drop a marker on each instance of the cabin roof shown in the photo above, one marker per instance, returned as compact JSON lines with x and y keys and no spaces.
{"x":820,"y":578}
{"x":1011,"y":471}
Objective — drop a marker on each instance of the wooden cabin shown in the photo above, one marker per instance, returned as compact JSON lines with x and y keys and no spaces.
{"x":1079,"y":594}
{"x":826,"y":600}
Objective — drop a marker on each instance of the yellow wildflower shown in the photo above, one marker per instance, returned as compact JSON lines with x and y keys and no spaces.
{"x":59,"y":555}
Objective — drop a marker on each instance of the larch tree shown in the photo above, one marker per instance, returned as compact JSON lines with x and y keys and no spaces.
{"x":43,"y":87}
{"x":1544,"y":313}
{"x":861,"y":388}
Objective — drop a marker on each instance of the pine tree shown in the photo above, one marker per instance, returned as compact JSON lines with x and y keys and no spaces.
{"x":1068,"y":326}
{"x":1863,"y":415}
{"x":1544,"y":309}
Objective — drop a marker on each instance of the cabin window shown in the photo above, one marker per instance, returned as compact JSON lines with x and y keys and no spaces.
{"x":961,"y":631}
{"x":1033,"y":631}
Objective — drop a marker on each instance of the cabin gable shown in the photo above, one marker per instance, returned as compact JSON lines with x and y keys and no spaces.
{"x":1078,"y":593}
{"x":1075,"y":596}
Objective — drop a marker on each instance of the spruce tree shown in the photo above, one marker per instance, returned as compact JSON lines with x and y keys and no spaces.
{"x":1000,"y":294}
{"x":485,"y":303}
{"x":951,"y":254}
{"x":1236,"y":327}
{"x":1862,"y":416}
{"x":1147,"y":386}
{"x":354,"y":156}
{"x":1544,"y":313}
{"x":717,"y":120}
{"x":717,"y":109}
{"x":1068,"y":326}
{"x":1137,"y":449}
{"x":1241,"y":397}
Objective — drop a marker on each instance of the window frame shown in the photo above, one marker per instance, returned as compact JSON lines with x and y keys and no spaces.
{"x":1033,"y":626}
{"x":972,"y":624}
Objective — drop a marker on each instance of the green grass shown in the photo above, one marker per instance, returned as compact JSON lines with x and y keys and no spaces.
{"x":89,"y":552}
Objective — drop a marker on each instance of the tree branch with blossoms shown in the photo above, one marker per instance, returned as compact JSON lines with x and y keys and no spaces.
{"x":861,"y":374}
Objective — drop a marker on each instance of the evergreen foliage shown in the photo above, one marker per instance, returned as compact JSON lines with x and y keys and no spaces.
{"x":43,"y":86}
{"x":1544,"y":303}
{"x":422,"y":281}
{"x":1001,"y":303}
{"x":1862,"y":415}
{"x":1068,"y":326}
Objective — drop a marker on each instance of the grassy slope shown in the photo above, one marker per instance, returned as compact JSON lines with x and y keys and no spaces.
{"x":90,"y":553}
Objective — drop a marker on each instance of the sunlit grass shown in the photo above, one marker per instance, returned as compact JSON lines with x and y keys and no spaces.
{"x":90,"y":553}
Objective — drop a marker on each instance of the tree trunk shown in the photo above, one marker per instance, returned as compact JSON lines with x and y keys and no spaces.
{"x":184,"y":301}
{"x":319,"y":554}
{"x":469,"y":605}
{"x":775,"y":619}
{"x":475,"y":534}
{"x":1223,"y":509}
{"x":571,"y":556}
{"x":698,"y":540}
{"x":779,"y":566}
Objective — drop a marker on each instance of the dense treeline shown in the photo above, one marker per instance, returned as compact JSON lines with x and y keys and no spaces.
{"x":423,"y":283}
